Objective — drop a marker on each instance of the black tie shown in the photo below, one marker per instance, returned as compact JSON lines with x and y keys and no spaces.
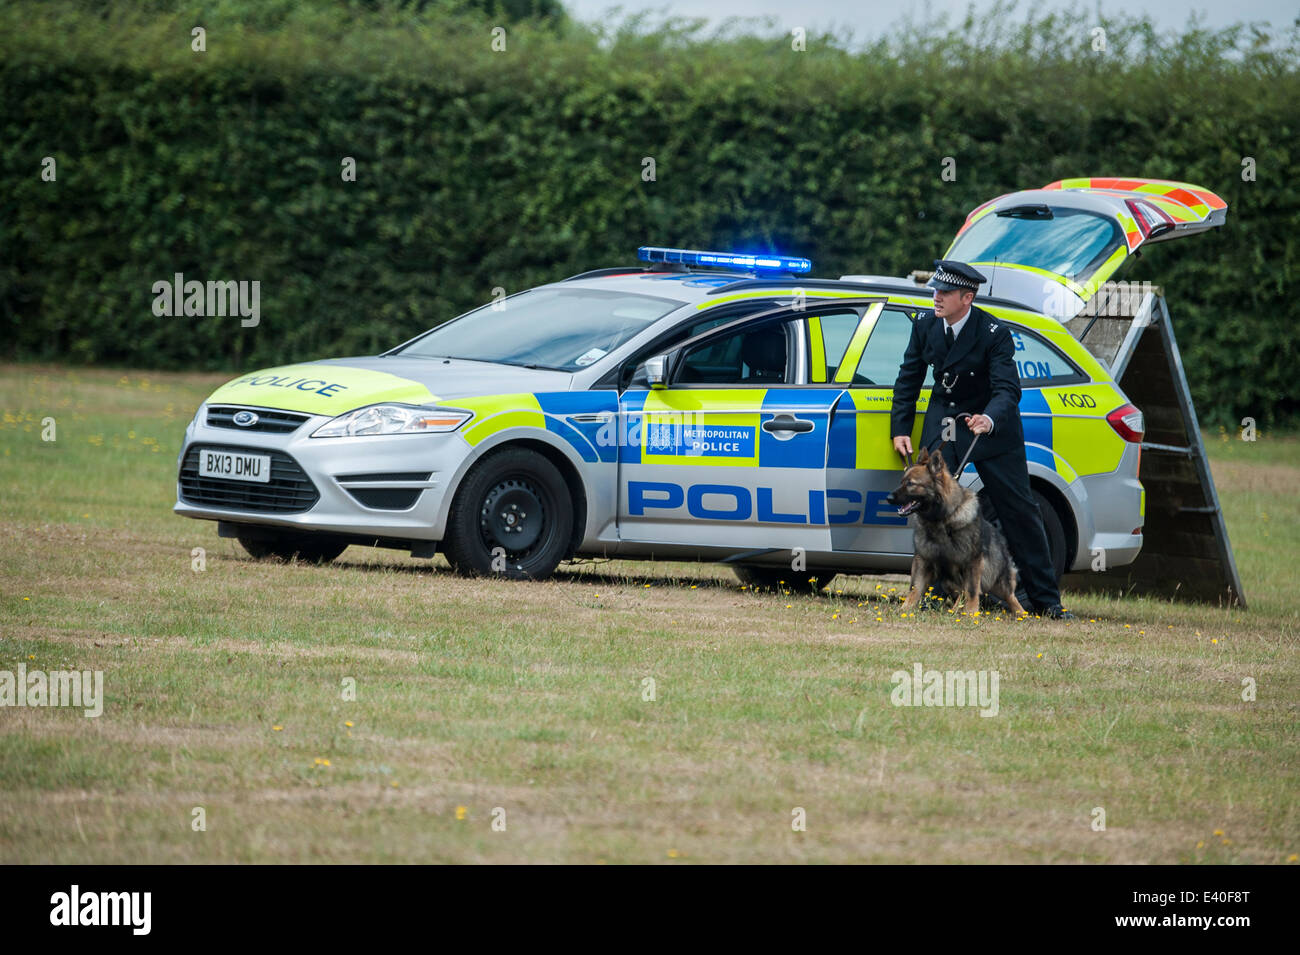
{"x":947,"y":333}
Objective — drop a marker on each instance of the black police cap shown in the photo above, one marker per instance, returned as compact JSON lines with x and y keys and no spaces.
{"x":950,"y":274}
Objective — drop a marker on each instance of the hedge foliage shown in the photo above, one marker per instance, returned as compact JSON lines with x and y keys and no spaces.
{"x":478,"y":169}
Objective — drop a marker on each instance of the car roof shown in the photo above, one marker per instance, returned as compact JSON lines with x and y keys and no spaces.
{"x":703,"y":288}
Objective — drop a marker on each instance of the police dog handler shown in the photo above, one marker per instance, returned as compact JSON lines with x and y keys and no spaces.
{"x":975,"y":373}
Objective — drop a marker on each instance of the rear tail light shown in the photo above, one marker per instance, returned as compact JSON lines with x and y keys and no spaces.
{"x":1128,"y":423}
{"x":1150,"y":220}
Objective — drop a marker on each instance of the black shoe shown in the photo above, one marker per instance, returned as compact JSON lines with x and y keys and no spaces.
{"x":1057,"y":612}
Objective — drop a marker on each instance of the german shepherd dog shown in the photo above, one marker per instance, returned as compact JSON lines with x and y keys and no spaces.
{"x":955,"y":546}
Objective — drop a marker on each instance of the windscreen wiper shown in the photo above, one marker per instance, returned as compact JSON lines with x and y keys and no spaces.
{"x":1033,"y":211}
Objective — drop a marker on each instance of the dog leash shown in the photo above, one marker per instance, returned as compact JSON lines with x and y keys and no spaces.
{"x":966,"y":457}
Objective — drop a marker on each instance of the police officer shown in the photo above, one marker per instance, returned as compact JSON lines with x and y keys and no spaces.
{"x":974,"y":372}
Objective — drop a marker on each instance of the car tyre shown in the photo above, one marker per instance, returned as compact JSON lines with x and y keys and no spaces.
{"x":308,"y":548}
{"x":512,"y":517}
{"x":779,"y":579}
{"x":1055,"y":535}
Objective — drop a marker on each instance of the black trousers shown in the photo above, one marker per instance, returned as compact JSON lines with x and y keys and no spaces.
{"x":1006,"y":490}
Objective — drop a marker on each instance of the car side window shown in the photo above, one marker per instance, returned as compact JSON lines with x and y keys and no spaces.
{"x":1040,"y":363}
{"x":747,"y":356}
{"x":878,"y":367}
{"x":836,"y":330}
{"x":679,"y":335}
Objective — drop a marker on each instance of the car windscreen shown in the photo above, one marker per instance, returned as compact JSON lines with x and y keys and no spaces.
{"x":1072,"y":243}
{"x":553,"y":327}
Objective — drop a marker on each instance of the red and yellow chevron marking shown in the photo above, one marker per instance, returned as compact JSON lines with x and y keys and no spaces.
{"x":1197,"y":200}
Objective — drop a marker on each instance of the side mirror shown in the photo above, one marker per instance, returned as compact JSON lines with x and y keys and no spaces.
{"x":656,"y":371}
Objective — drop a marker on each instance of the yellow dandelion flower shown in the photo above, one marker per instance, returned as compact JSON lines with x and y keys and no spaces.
{"x":461,"y":812}
{"x":277,"y":728}
{"x":1293,"y":858}
{"x":347,"y":723}
{"x":1218,"y":832}
{"x":1200,"y":845}
{"x":673,"y":853}
{"x":1214,"y":639}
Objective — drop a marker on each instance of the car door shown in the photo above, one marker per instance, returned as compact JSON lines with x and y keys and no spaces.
{"x":731,"y":452}
{"x":862,"y":466}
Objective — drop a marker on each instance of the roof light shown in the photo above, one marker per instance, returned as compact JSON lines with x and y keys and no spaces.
{"x":780,"y":263}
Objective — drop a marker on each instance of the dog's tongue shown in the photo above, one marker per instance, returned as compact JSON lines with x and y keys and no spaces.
{"x":907,"y":508}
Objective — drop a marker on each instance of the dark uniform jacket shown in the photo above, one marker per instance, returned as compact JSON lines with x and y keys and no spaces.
{"x":980,"y":372}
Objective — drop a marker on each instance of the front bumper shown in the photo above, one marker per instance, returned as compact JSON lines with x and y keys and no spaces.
{"x":390,"y":486}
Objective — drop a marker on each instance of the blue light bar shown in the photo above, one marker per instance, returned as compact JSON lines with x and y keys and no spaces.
{"x":780,"y":263}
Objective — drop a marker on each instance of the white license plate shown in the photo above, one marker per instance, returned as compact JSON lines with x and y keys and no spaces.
{"x":235,"y":467}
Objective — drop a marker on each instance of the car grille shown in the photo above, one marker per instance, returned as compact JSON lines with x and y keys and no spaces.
{"x":288,"y":490}
{"x":268,"y":422}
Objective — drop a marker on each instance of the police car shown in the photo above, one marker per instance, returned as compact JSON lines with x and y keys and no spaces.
{"x":702,"y":406}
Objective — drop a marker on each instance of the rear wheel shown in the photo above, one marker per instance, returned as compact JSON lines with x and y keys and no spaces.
{"x":1055,"y":534}
{"x":512,"y":516}
{"x":1052,"y":527}
{"x":309,"y":548}
{"x":778,"y":578}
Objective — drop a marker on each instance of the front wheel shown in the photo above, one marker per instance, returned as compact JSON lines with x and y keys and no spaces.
{"x":512,"y":516}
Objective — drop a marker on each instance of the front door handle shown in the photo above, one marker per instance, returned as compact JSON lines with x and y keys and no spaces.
{"x":787,"y":426}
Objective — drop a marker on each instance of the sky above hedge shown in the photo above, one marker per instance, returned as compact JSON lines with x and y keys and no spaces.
{"x":868,"y":18}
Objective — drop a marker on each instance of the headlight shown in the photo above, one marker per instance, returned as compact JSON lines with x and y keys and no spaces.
{"x":393,"y":419}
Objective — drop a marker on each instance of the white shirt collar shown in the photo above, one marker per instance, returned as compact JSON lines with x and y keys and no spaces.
{"x":957,"y":325}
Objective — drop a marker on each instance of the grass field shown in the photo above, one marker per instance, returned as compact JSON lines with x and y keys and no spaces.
{"x":224,"y":692}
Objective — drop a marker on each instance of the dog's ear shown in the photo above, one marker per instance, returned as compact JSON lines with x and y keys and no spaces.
{"x":936,"y":462}
{"x":924,"y":456}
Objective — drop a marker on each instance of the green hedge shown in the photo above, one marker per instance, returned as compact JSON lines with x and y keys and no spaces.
{"x":479,"y":169}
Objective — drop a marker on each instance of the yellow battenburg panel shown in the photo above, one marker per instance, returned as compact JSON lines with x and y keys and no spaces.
{"x":320,"y":389}
{"x":1080,"y":432}
{"x":817,"y":350}
{"x":780,"y":293}
{"x":875,"y":447}
{"x":709,"y":426}
{"x":493,"y":413}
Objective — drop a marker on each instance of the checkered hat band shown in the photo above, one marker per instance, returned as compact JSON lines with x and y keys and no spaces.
{"x":954,"y":278}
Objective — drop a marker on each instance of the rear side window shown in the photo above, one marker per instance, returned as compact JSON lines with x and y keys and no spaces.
{"x":884,"y":352}
{"x":1040,"y":363}
{"x":836,"y":330}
